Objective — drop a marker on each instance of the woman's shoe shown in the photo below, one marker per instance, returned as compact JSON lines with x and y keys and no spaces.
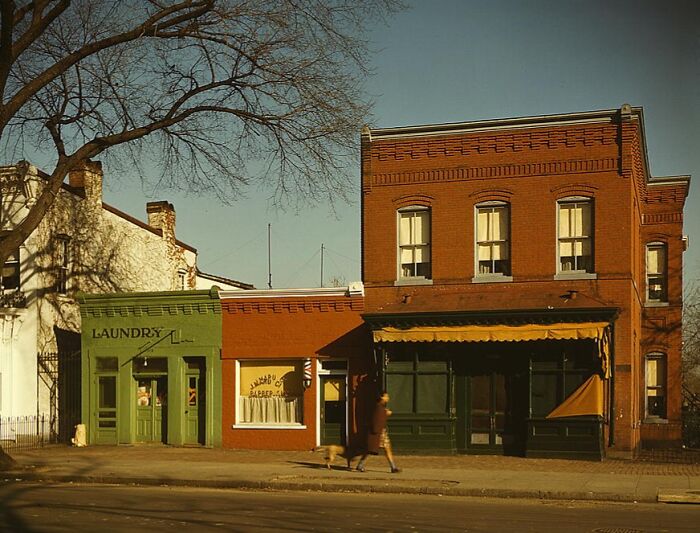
{"x":395,"y":470}
{"x":360,"y":468}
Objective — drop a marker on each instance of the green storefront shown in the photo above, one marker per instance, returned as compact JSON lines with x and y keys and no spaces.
{"x":151,"y":368}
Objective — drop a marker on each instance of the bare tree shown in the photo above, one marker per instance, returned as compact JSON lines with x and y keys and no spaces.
{"x":691,"y":339}
{"x":201,"y":87}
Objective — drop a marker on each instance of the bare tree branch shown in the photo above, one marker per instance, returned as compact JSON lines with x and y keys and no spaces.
{"x":221,"y":94}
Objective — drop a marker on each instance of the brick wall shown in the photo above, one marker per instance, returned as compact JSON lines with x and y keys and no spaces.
{"x":531,"y":168}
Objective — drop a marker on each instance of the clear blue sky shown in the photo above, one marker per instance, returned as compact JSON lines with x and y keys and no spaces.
{"x":452,"y":61}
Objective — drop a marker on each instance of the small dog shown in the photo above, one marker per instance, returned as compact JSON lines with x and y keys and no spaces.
{"x":331,"y":451}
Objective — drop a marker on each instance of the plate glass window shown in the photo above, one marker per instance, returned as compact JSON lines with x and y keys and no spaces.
{"x":656,"y":273}
{"x":492,"y":245}
{"x":270,"y":392}
{"x":414,"y":243}
{"x":575,"y":236}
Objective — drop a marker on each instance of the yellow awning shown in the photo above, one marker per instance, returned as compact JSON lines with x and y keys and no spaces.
{"x":527,"y":332}
{"x":504,"y":333}
{"x":586,"y":400}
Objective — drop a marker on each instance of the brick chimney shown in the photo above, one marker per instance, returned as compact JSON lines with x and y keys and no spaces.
{"x":88,"y":176}
{"x":161,"y":215}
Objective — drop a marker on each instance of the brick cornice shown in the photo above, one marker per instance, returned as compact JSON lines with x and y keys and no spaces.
{"x":501,"y":142}
{"x":576,"y":166}
{"x":662,"y":218}
{"x":301,"y":305}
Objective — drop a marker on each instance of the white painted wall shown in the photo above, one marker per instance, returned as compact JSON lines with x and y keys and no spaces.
{"x":110,"y":253}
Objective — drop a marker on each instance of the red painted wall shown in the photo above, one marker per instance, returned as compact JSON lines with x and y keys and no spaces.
{"x":316,"y":327}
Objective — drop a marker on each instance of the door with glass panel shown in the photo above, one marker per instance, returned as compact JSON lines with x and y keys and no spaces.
{"x":151,"y":408}
{"x":106,"y":414}
{"x":194,"y":401}
{"x":497,"y":403}
{"x":333,"y":409}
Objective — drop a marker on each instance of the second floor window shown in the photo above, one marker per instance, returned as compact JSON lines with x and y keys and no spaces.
{"x":10,"y":272}
{"x":62,"y":263}
{"x":414,"y":243}
{"x":492,"y":242}
{"x":656,"y":273}
{"x":575,"y":236}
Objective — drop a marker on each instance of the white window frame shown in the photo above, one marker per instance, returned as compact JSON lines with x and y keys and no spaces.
{"x":63,"y":263}
{"x":663,"y":387}
{"x":492,"y":276}
{"x":576,"y":273}
{"x":399,"y":270}
{"x":245,"y":425}
{"x":15,"y":264}
{"x":320,"y":371}
{"x":663,"y":274}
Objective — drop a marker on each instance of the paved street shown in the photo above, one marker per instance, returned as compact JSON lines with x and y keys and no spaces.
{"x":54,"y":507}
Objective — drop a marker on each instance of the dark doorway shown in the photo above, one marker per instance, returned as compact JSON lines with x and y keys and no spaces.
{"x":494,"y":406}
{"x":333,"y":409}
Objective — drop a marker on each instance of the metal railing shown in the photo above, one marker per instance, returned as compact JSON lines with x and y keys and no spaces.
{"x":24,"y":432}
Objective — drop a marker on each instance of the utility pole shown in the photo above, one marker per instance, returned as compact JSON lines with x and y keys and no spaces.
{"x":321,"y":264}
{"x":269,"y":257}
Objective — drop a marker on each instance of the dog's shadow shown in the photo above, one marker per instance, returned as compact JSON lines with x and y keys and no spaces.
{"x":318,"y":466}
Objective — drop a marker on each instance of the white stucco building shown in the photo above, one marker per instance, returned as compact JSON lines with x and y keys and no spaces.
{"x":83,"y":245}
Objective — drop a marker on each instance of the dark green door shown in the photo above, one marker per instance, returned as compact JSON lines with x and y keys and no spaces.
{"x":151,"y":410}
{"x":495,"y":404}
{"x":333,"y":409}
{"x":195,"y":400}
{"x":487,"y":413}
{"x":106,"y":415}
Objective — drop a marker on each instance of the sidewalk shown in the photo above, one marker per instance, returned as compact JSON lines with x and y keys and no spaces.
{"x":463,"y":475}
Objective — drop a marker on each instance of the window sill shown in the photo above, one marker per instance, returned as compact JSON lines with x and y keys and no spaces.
{"x":566,"y":276}
{"x":655,"y":420}
{"x":655,"y":304}
{"x":413,"y":281}
{"x":268,"y":426}
{"x":492,"y":278}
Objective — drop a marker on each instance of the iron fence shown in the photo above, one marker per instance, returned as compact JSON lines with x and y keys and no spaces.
{"x":24,"y":432}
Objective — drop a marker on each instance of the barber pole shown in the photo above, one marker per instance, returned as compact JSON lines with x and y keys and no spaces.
{"x":307,"y":373}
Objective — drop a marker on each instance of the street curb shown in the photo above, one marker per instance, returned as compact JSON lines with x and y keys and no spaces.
{"x":325,"y":486}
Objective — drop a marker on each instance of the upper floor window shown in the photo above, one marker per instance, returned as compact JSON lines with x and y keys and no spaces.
{"x":655,"y":385}
{"x":181,"y":279}
{"x":492,"y":238}
{"x":10,"y":272}
{"x":575,"y":235}
{"x":414,"y":242}
{"x":657,"y":278}
{"x":62,"y":263}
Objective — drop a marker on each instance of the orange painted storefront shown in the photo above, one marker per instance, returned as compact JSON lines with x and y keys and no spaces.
{"x":269,"y":336}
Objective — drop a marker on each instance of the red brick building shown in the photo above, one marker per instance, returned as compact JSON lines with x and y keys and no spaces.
{"x":523,"y":284}
{"x":295,"y":367}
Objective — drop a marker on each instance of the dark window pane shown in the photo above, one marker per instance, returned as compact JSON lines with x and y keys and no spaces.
{"x":572,"y":382}
{"x":432,"y":366}
{"x":431,"y":395}
{"x":544,"y":393}
{"x":107,"y":364}
{"x":151,"y":364}
{"x":656,"y":405}
{"x":400,"y":389}
{"x":107,"y":392}
{"x":399,"y":366}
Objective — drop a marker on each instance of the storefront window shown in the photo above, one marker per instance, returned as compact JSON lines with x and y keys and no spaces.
{"x":418,"y":383}
{"x":556,"y":375}
{"x":270,"y":393}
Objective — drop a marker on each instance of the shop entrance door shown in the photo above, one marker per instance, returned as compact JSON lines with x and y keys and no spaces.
{"x":333,"y":409}
{"x":496,"y":405}
{"x":195,"y":401}
{"x":151,"y":410}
